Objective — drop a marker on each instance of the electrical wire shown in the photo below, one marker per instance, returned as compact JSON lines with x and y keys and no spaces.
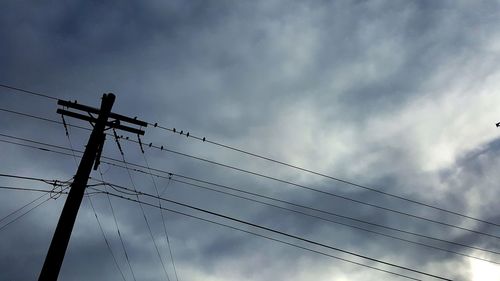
{"x":264,"y":236}
{"x":108,"y":245}
{"x":117,"y":228}
{"x":278,"y":200}
{"x":66,"y":129}
{"x":19,"y":90}
{"x":22,"y":207}
{"x":42,"y":118}
{"x":281,"y":233}
{"x":267,"y":237}
{"x":144,"y":215}
{"x":24,"y":214}
{"x":50,"y":182}
{"x":336,"y":222}
{"x":350,"y":183}
{"x":37,"y":147}
{"x":30,"y":189}
{"x":271,"y":230}
{"x":302,"y":186}
{"x":241,"y":190}
{"x":271,"y":160}
{"x":162,"y":148}
{"x":303,"y":169}
{"x":162,"y":216}
{"x":442,"y":223}
{"x":278,"y":162}
{"x":296,"y":185}
{"x":170,"y":178}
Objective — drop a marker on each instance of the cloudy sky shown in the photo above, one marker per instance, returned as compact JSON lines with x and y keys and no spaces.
{"x":400,"y":96}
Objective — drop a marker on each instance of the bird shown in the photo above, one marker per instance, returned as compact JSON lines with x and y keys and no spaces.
{"x":181,"y":132}
{"x":161,"y":147}
{"x":173,"y":130}
{"x":203,"y":138}
{"x":187,"y":135}
{"x":150,"y":144}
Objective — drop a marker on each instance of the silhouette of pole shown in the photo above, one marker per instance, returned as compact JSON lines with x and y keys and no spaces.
{"x":62,"y":234}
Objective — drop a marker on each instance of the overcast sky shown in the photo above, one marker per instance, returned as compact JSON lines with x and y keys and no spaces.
{"x":400,"y":96}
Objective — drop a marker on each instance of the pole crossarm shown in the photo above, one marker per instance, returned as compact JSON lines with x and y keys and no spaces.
{"x":111,"y":124}
{"x":94,"y":110}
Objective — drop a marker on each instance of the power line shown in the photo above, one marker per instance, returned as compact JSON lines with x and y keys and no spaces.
{"x":36,"y":147}
{"x":267,"y":159}
{"x":302,"y":186}
{"x":162,"y":148}
{"x":278,"y":200}
{"x":354,"y":200}
{"x":46,"y":96}
{"x":296,"y":237}
{"x":31,"y":189}
{"x":22,"y":207}
{"x":353,"y":184}
{"x":19,"y":90}
{"x":144,"y":215}
{"x":285,"y":163}
{"x":170,"y":178}
{"x":266,"y":237}
{"x":117,"y":228}
{"x":289,"y":183}
{"x":69,"y":140}
{"x":24,"y":214}
{"x":283,"y":234}
{"x":108,"y":245}
{"x":50,"y":192}
{"x":339,"y":223}
{"x":350,"y":218}
{"x":41,"y":118}
{"x":162,"y":216}
{"x":50,"y":182}
{"x":263,"y":236}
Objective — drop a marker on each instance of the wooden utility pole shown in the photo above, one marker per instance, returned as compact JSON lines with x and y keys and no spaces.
{"x":60,"y":240}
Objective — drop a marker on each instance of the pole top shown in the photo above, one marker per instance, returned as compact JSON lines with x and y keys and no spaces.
{"x":110,"y":96}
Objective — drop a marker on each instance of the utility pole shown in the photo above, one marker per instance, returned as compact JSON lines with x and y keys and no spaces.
{"x":91,"y":155}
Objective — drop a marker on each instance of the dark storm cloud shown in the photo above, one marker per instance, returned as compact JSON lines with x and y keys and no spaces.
{"x":359,"y":89}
